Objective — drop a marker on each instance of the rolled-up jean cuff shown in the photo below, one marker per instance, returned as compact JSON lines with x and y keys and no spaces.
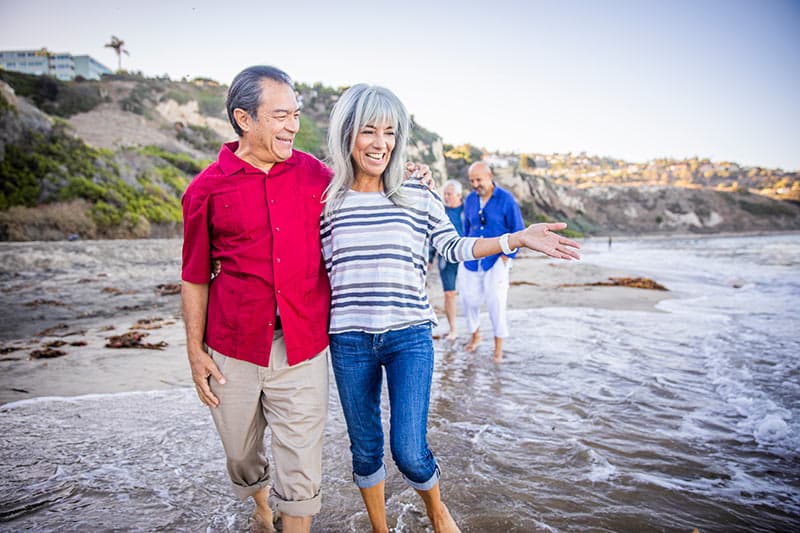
{"x":425,"y":485}
{"x":365,"y":482}
{"x":308,"y":507}
{"x":245,"y":491}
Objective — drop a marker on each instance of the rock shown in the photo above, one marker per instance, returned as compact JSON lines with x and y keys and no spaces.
{"x":40,"y":302}
{"x":148,"y":323}
{"x":636,"y":283}
{"x":47,"y":353}
{"x":54,"y":344}
{"x":59,"y":331}
{"x":166,"y":289}
{"x":133,"y":339}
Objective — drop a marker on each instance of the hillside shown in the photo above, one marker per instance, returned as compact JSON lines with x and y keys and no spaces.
{"x":110,"y":159}
{"x":602,"y":196}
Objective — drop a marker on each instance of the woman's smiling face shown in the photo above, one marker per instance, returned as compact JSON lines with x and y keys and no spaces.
{"x":373,"y":149}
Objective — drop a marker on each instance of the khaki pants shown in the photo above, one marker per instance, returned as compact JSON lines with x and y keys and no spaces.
{"x":293,"y":401}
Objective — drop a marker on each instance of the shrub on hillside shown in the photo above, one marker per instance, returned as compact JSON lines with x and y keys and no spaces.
{"x":49,"y":222}
{"x":54,"y":96}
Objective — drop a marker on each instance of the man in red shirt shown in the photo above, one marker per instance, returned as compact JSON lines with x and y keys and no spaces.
{"x":256,"y":334}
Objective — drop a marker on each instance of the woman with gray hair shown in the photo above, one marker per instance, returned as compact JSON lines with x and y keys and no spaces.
{"x":454,"y":207}
{"x":376,"y":231}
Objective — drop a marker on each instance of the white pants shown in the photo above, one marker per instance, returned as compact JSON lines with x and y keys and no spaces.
{"x":490,"y":285}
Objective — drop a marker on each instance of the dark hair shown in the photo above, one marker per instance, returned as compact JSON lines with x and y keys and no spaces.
{"x":245,"y":91}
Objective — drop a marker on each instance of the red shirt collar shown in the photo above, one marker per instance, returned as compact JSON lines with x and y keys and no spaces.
{"x":230,"y":163}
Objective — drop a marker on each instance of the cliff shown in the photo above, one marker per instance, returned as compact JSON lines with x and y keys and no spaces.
{"x":618,"y":209}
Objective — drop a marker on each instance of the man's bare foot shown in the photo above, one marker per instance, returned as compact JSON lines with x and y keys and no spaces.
{"x":472,"y":345}
{"x":444,"y":523}
{"x":452,"y":336}
{"x":262,"y":521}
{"x":498,"y":349}
{"x":262,"y":516}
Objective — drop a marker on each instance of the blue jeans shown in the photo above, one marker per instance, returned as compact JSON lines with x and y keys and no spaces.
{"x":407,"y":356}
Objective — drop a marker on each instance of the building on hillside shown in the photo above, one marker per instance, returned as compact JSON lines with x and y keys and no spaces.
{"x":61,"y":65}
{"x":89,"y":68}
{"x":498,"y":161}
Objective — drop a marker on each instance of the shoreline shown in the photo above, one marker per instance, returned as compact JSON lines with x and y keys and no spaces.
{"x":95,"y":369}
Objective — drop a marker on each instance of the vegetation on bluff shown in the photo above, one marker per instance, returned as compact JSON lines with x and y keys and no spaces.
{"x":117,"y":198}
{"x":53,"y":96}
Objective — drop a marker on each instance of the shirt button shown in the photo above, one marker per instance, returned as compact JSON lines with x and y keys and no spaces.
{"x":278,"y":260}
{"x":272,"y":201}
{"x":278,"y":291}
{"x":277,"y":229}
{"x":269,"y":323}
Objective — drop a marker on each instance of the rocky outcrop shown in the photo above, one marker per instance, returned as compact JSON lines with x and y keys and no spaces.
{"x":19,"y":118}
{"x":432,"y":154}
{"x":650,"y":209}
{"x":189,"y":114}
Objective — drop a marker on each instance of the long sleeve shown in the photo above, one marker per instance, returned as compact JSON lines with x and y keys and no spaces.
{"x":444,"y":236}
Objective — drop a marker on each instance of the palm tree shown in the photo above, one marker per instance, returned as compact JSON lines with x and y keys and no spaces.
{"x":119,"y":47}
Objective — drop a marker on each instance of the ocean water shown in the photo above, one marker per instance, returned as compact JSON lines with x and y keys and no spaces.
{"x":687,"y":416}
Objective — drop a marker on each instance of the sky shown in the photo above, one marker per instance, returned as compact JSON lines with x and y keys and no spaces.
{"x":634,"y":79}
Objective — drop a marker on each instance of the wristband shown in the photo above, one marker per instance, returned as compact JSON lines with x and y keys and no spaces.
{"x":504,"y":244}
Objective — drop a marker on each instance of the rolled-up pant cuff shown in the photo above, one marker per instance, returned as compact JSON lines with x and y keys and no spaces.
{"x":243,"y":491}
{"x":308,"y":507}
{"x":425,"y":485}
{"x":365,"y":482}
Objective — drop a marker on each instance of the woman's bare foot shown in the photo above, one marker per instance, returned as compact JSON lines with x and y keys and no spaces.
{"x":444,"y":523}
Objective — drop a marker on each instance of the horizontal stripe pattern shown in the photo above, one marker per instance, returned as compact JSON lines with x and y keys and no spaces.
{"x":376,"y":255}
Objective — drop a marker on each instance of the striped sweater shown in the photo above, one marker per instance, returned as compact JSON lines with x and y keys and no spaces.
{"x":376,"y":255}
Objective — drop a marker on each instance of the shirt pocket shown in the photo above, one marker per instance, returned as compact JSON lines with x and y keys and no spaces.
{"x":226,"y":213}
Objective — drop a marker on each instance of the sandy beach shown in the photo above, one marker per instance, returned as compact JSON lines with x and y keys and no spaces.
{"x":93,"y":368}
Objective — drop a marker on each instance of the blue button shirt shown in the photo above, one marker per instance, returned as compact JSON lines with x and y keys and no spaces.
{"x":456,"y":216}
{"x":502,"y":215}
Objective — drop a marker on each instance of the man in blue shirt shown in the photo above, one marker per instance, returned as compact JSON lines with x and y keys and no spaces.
{"x":489,"y":211}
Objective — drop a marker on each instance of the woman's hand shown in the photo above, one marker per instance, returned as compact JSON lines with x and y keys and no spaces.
{"x":541,"y":237}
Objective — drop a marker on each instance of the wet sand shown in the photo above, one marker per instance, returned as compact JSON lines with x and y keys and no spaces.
{"x":93,"y":368}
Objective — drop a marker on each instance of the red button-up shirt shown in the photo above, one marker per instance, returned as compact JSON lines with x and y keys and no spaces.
{"x":264,"y":229}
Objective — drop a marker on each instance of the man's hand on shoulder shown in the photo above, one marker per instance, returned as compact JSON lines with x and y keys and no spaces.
{"x":420,"y":171}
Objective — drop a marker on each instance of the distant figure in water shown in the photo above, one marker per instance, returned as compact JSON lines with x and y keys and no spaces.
{"x":489,"y":211}
{"x":609,"y":242}
{"x":376,"y":233}
{"x":448,"y":271}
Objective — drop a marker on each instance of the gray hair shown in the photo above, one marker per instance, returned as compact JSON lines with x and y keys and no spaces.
{"x":360,"y":105}
{"x":245,"y":91}
{"x":454,"y":184}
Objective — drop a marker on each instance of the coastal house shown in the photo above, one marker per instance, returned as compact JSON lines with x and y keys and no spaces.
{"x":61,"y":65}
